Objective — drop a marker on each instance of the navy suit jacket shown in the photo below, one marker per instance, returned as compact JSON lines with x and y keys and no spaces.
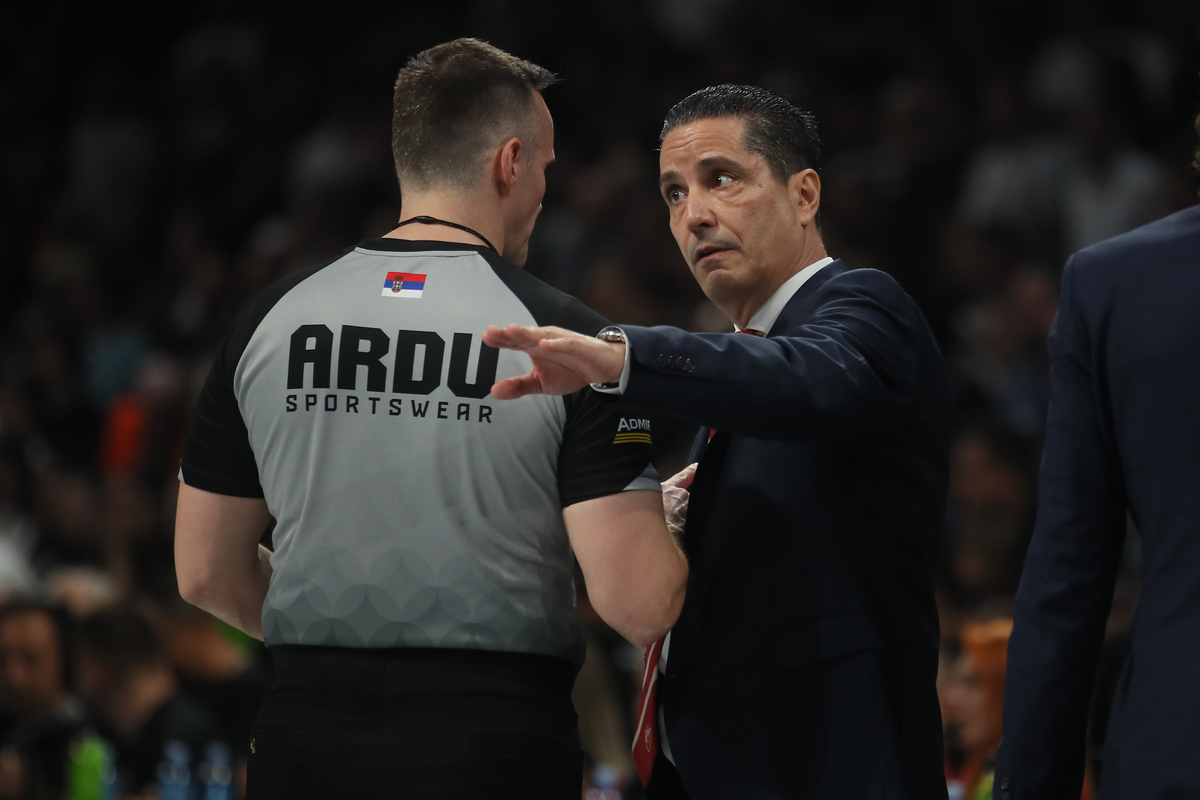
{"x":1123,"y":436}
{"x":804,"y":660}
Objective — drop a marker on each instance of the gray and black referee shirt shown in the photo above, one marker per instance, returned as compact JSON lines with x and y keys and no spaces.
{"x":411,"y":509}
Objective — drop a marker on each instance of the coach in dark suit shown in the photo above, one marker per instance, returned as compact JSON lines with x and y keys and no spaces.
{"x":803,"y":663}
{"x":1123,"y":438}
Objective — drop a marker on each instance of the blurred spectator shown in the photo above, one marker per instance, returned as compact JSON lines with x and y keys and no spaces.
{"x":217,"y":666}
{"x":144,"y":429}
{"x":1010,"y":180}
{"x":1108,"y":186}
{"x":83,"y":590}
{"x":112,"y":154}
{"x":974,"y":706}
{"x":1002,"y":355}
{"x":68,"y":518}
{"x":989,"y":513}
{"x":40,"y":715}
{"x":18,"y":536}
{"x":36,"y":666}
{"x":127,"y":682}
{"x":112,"y":350}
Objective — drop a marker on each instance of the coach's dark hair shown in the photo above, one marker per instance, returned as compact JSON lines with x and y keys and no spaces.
{"x":785,"y":136}
{"x":454,"y":104}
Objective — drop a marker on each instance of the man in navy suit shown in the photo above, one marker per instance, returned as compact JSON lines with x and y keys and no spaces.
{"x":1122,"y":440}
{"x":803,"y":662}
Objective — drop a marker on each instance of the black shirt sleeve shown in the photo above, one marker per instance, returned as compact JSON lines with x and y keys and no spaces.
{"x":605,"y":450}
{"x":217,"y":456}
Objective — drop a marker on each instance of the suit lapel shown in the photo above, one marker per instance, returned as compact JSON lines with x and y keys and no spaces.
{"x":802,"y":304}
{"x":703,"y":488}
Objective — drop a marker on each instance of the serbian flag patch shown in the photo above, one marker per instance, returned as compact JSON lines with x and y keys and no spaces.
{"x":403,"y":284}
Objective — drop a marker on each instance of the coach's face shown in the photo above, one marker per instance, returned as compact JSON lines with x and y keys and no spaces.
{"x":742,"y":232}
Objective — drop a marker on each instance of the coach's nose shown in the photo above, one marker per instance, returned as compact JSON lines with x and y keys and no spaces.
{"x":698,"y":213}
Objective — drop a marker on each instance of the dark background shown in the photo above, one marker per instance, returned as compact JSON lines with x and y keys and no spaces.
{"x":159,"y":167}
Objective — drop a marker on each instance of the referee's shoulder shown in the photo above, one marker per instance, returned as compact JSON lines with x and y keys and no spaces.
{"x":261,"y":303}
{"x":548,"y":305}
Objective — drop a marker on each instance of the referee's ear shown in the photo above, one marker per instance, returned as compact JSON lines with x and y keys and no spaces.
{"x":507,"y":164}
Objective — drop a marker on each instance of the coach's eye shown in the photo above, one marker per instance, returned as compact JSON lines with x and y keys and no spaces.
{"x":723,"y":181}
{"x":674,"y":196}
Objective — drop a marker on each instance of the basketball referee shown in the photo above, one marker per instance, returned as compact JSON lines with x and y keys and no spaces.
{"x":419,"y":602}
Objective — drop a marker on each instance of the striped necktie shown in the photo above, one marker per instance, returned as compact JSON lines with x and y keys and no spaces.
{"x":645,"y":741}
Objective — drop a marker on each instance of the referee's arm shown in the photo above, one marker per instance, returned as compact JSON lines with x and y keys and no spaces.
{"x":635,"y":572}
{"x":220,"y":564}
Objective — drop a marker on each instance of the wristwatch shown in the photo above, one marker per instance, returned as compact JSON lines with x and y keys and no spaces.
{"x":610,"y":334}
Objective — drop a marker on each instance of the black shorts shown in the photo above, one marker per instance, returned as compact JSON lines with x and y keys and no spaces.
{"x":415,"y":723}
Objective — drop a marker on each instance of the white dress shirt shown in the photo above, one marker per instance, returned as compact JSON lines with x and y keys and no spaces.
{"x":764,"y":319}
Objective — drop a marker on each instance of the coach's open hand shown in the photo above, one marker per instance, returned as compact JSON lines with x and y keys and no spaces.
{"x":563,"y":361}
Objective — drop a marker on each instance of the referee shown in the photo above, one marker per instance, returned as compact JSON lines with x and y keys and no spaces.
{"x":419,"y":602}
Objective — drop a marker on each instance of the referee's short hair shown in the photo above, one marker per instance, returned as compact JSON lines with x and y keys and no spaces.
{"x":454,"y":104}
{"x":785,"y":136}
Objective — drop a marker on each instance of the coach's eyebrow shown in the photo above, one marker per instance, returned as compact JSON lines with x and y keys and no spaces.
{"x":718,"y":163}
{"x":667,"y":178}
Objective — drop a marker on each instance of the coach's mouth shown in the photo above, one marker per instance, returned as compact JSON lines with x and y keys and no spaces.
{"x":707,"y":251}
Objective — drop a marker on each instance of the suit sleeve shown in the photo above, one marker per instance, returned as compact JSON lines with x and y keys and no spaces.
{"x":846,"y":371}
{"x":1066,"y":588}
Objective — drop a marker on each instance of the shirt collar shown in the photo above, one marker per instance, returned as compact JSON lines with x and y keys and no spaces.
{"x":765,"y":317}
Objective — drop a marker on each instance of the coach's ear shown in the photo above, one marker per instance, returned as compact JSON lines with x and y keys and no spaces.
{"x":507,"y":164}
{"x":804,"y":190}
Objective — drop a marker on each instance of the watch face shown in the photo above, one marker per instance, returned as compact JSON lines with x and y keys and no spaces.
{"x":611,"y":335}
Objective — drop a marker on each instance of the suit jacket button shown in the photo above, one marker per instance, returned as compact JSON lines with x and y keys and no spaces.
{"x":688,"y":366}
{"x":663,"y":360}
{"x":1004,"y":783}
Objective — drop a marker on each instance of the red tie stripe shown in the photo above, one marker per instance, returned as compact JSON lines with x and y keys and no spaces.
{"x":645,"y":741}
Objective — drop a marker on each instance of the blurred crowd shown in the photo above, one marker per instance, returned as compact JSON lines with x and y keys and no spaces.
{"x":156,"y":173}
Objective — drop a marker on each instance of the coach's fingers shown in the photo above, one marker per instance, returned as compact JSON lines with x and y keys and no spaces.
{"x":512,"y":337}
{"x":681,"y":479}
{"x":530,"y":337}
{"x":498,"y":338}
{"x":515,"y":337}
{"x":512,"y":388}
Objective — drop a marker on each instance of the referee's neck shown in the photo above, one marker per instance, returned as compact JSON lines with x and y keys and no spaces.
{"x":481,"y":214}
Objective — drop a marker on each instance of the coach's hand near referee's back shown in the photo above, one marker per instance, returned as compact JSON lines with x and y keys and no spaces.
{"x":563,"y":361}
